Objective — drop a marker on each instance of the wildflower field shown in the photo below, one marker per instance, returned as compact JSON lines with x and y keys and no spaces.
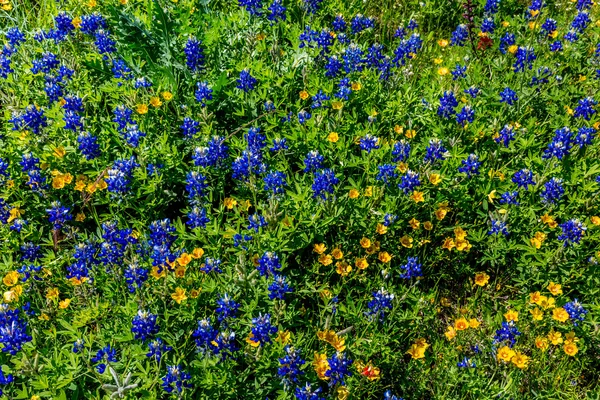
{"x":307,"y":199}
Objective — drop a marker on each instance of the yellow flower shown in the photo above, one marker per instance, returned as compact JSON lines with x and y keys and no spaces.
{"x":511,"y":315}
{"x":414,"y":223}
{"x":167,"y":95}
{"x":481,"y":279}
{"x":141,"y":108}
{"x":549,"y":220}
{"x":570,"y":337}
{"x":460,"y":233}
{"x":416,"y":351}
{"x":534,"y":297}
{"x":505,"y":24}
{"x":52,"y":293}
{"x":92,"y":3}
{"x":361,"y":263}
{"x":461,"y":324}
{"x":333,"y":137}
{"x":520,"y":360}
{"x":537,"y":314}
{"x":442,"y":43}
{"x":180,"y":271}
{"x":417,"y":197}
{"x":473,"y":323}
{"x":59,"y":152}
{"x":595,"y":220}
{"x":512,"y":49}
{"x":381,"y":229}
{"x":560,"y":314}
{"x":449,"y":244}
{"x":450,"y":333}
{"x":329,"y":336}
{"x":443,"y":71}
{"x":319,"y":248}
{"x":304,"y":95}
{"x":283,"y":337}
{"x":11,"y":278}
{"x":80,"y":217}
{"x":505,"y":354}
{"x":555,"y":337}
{"x":406,"y":241}
{"x":369,"y":191}
{"x":321,"y":365}
{"x":384,"y":257}
{"x":365,"y":242}
{"x":356,"y":86}
{"x":250,"y":340}
{"x":184,"y":259}
{"x":35,"y":397}
{"x":229,"y":203}
{"x":76,"y":22}
{"x":546,"y":302}
{"x":155,"y":102}
{"x":410,"y":133}
{"x":197,"y":253}
{"x":368,"y":370}
{"x":64,"y":304}
{"x":337,"y":253}
{"x":538,"y":239}
{"x":541,"y":343}
{"x":353,"y":194}
{"x":402,"y":167}
{"x":440,"y":213}
{"x":438,"y":61}
{"x":463,"y":245}
{"x":570,"y":349}
{"x":179,"y":295}
{"x":194,"y":293}
{"x":555,"y":289}
{"x":343,"y":268}
{"x":428,"y":225}
{"x":325,"y":259}
{"x":435,"y":179}
{"x":337,"y":105}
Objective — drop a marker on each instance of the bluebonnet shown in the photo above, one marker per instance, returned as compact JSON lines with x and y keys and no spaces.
{"x":488,"y":26}
{"x":211,"y":265}
{"x":541,"y":76}
{"x":472,"y":91}
{"x":176,"y":379}
{"x":407,"y":48}
{"x":353,"y":58}
{"x":78,"y":346}
{"x":447,"y":104}
{"x":262,"y":329}
{"x":212,"y":156}
{"x":289,"y":366}
{"x":224,"y":344}
{"x":387,"y":173}
{"x":30,"y":252}
{"x":584,"y":4}
{"x":122,"y":117}
{"x":144,"y":325}
{"x":135,"y":276}
{"x":268,"y":264}
{"x":256,"y":221}
{"x":553,"y":191}
{"x":435,"y":151}
{"x":312,"y":6}
{"x":459,"y":72}
{"x":279,"y":144}
{"x":3,"y":169}
{"x":194,"y":54}
{"x":32,"y":119}
{"x":497,"y":227}
{"x":120,"y":70}
{"x":412,"y":268}
{"x":91,"y":23}
{"x":269,"y":106}
{"x":339,"y":24}
{"x":5,"y":67}
{"x":142,"y":82}
{"x":119,"y":176}
{"x":203,"y":93}
{"x":584,"y":136}
{"x":359,"y":23}
{"x":380,"y":304}
{"x":465,"y":116}
{"x":549,"y":26}
{"x":154,"y":169}
{"x":556,"y":46}
{"x":17,"y":225}
{"x":581,"y":21}
{"x":156,"y":349}
{"x":401,"y":151}
{"x":274,"y":182}
{"x":576,"y":311}
{"x":389,"y":396}
{"x":459,"y":36}
{"x":246,"y":82}
{"x":491,"y":6}
{"x":85,"y":258}
{"x":240,"y":240}
{"x":307,"y":37}
{"x":466,"y":363}
{"x":279,"y":288}
{"x":339,"y":369}
{"x":318,"y":99}
{"x":324,"y":41}
{"x":226,"y":308}
{"x":560,"y":145}
{"x":523,"y":178}
{"x":58,"y":215}
{"x":369,"y":142}
{"x":29,"y":271}
{"x":585,"y":108}
{"x":104,"y":356}
{"x":4,"y":211}
{"x":307,"y":393}
{"x":409,"y":182}
{"x":277,"y":11}
{"x":195,"y":186}
{"x":104,"y":44}
{"x":204,"y":334}
{"x":470,"y":166}
{"x":507,"y":40}
{"x":304,"y":116}
{"x":344,"y":89}
{"x":524,"y":59}
{"x":509,"y":198}
{"x":47,"y":63}
{"x":507,"y":333}
{"x":13,"y":329}
{"x":571,"y":36}
{"x":14,"y":36}
{"x":572,"y":232}
{"x":161,"y":239}
{"x":506,"y":135}
{"x":324,"y":183}
{"x":389,"y":219}
{"x":508,"y":96}
{"x":252,"y":6}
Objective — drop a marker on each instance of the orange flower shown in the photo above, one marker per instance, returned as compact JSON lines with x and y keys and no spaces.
{"x":461,"y":324}
{"x":184,"y":259}
{"x":570,"y":349}
{"x":197,"y":253}
{"x":361,"y":263}
{"x":353,"y":194}
{"x":304,"y":95}
{"x":511,"y":315}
